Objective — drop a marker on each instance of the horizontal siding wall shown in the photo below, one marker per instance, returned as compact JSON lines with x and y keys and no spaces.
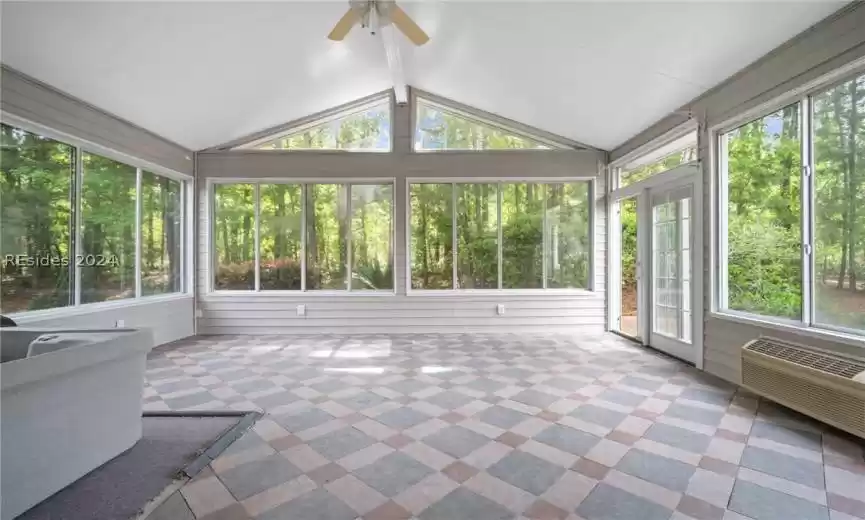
{"x":829,"y":45}
{"x":263,"y":313}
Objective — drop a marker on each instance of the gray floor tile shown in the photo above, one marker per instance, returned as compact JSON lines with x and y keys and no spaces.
{"x":516,"y":373}
{"x":408,"y":386}
{"x":256,"y":385}
{"x":402,"y":418}
{"x":564,"y":383}
{"x":462,"y":504}
{"x":599,"y":415}
{"x":784,"y":466}
{"x":621,"y":397}
{"x":340,"y":443}
{"x":254,"y":477}
{"x":639,"y":382}
{"x":762,"y":503}
{"x":606,"y":502}
{"x":694,"y":414}
{"x":304,"y":420}
{"x":449,"y":399}
{"x":678,"y":437}
{"x":501,"y":417}
{"x":187,"y":401}
{"x":568,"y":439}
{"x":721,"y":398}
{"x":362,"y":401}
{"x":526,"y":472}
{"x":174,"y":508}
{"x":247,"y":441}
{"x":319,"y":504}
{"x":277,"y":399}
{"x":669,"y":473}
{"x":455,"y":441}
{"x":393,"y":473}
{"x":535,"y":398}
{"x":175,"y":386}
{"x":486,"y":385}
{"x":783,"y":434}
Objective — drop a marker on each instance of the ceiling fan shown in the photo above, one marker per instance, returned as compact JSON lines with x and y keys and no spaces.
{"x":375,"y":15}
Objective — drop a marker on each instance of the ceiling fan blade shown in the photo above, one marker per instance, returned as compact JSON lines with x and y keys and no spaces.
{"x":344,"y":25}
{"x":405,"y":24}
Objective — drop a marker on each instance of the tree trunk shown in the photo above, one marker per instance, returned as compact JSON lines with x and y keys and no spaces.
{"x":853,"y":181}
{"x":837,"y":110}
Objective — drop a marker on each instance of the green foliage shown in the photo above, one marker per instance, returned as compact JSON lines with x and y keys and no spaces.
{"x":440,"y":129}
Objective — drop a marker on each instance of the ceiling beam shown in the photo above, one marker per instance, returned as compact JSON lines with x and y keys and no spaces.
{"x":389,"y":35}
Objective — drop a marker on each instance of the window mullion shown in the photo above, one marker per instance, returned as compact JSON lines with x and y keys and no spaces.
{"x":303,"y":232}
{"x":347,"y":237}
{"x":501,"y":234}
{"x":723,"y":222}
{"x":138,"y":217}
{"x":256,"y":229}
{"x":454,"y":240}
{"x":806,"y":194}
{"x":544,"y":237}
{"x":78,"y":250}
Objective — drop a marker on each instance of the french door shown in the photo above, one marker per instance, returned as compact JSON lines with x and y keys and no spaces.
{"x":663,"y":275}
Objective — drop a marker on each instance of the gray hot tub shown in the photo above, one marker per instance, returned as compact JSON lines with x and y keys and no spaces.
{"x":71,"y":401}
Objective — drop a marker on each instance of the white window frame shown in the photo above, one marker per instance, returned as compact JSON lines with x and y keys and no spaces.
{"x":499,"y":181}
{"x":303,"y":292}
{"x":807,"y":325}
{"x":654,"y":150}
{"x":81,"y":146}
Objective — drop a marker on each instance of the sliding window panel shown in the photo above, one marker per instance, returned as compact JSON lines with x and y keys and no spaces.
{"x":477,"y":236}
{"x":522,"y":236}
{"x":372,"y":237}
{"x":234,"y":236}
{"x":764,"y":224}
{"x":327,"y":226}
{"x":108,"y":228}
{"x":161,"y":235}
{"x":280,"y":236}
{"x":431,"y":236}
{"x":568,"y":236}
{"x":839,"y":209}
{"x":36,"y":179}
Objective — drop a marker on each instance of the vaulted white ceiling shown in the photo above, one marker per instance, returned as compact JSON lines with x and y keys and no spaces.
{"x":203,"y":73}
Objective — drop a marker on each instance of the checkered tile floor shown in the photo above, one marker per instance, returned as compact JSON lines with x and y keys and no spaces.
{"x":478,"y":427}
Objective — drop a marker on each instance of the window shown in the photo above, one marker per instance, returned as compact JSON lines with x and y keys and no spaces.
{"x":522,"y":236}
{"x":477,"y":236}
{"x":568,"y":247}
{"x":771,"y":230}
{"x":363,"y":129}
{"x":36,"y":211}
{"x":234,"y":236}
{"x":161,"y":234}
{"x":309,"y":237}
{"x":71,"y":229}
{"x":676,"y":153}
{"x":441,"y":128}
{"x":326,"y":233}
{"x":371,"y":234}
{"x":510,"y":235}
{"x":839,"y":208}
{"x":764,"y":227}
{"x":107,"y":230}
{"x":432,"y":237}
{"x":281,"y":236}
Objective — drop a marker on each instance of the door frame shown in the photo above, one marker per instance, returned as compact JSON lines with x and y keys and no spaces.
{"x":641,"y":191}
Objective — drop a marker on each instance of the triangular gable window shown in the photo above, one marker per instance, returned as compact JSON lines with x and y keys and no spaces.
{"x":364,"y":128}
{"x":439,"y":127}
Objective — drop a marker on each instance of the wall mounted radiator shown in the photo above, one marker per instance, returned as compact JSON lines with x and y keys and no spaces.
{"x":824,"y":386}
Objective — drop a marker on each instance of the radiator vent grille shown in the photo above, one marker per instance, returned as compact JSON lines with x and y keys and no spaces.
{"x":818,"y":384}
{"x":802,"y":394}
{"x":805,"y":358}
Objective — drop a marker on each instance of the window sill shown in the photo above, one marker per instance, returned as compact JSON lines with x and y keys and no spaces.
{"x":456,"y":293}
{"x":303,"y":294}
{"x":803,"y":330}
{"x":23,"y":318}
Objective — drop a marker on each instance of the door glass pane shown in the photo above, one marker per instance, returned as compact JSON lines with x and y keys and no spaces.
{"x":671,"y":270}
{"x":628,"y":218}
